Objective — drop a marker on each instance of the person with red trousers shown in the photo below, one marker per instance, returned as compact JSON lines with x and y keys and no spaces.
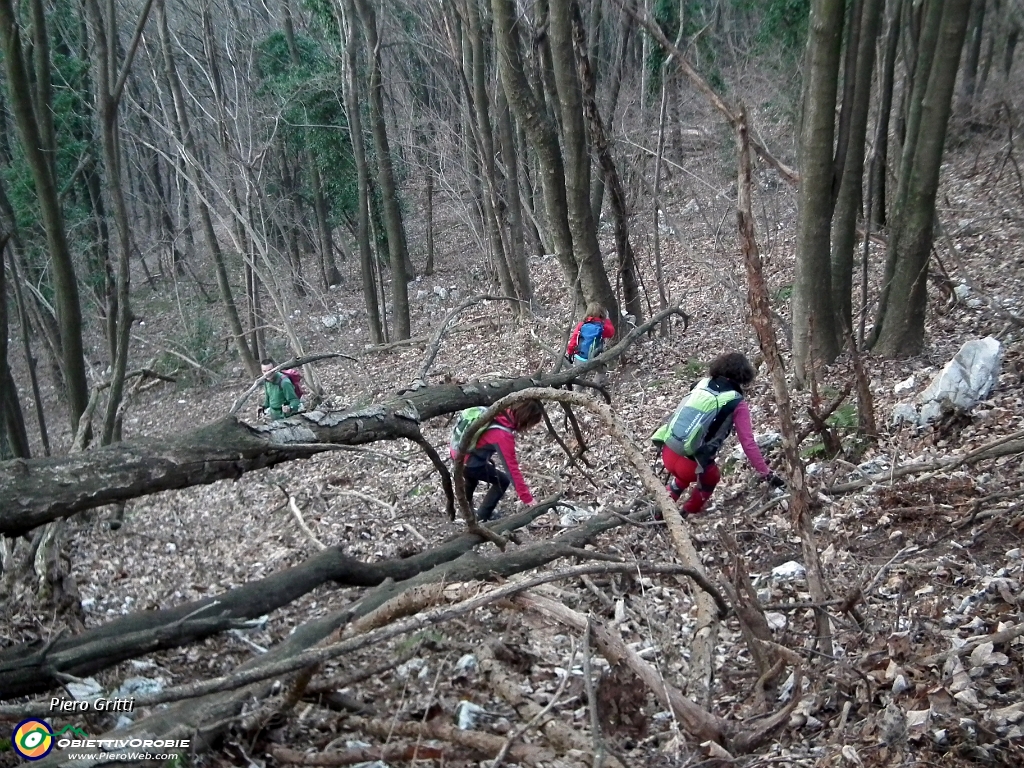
{"x":702,"y":422}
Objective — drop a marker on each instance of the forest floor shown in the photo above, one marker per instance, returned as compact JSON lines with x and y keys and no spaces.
{"x":938,"y":555}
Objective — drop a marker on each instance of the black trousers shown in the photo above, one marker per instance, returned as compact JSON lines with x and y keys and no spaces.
{"x":485,"y":473}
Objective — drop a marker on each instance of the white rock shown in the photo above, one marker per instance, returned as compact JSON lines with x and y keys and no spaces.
{"x":467,"y":664}
{"x":906,"y":385}
{"x":904,"y":413}
{"x":330,"y":321}
{"x":440,"y":292}
{"x":140,"y":686}
{"x":900,"y":685}
{"x":468,"y":714}
{"x":776,"y":621}
{"x":789,"y":571}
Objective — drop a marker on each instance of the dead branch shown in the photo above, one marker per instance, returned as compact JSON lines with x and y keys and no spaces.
{"x":297,"y":514}
{"x":442,"y":470}
{"x":995,"y":638}
{"x":1008,"y":445}
{"x":483,"y":743}
{"x":761,"y":318}
{"x":435,"y":342}
{"x":819,"y":418}
{"x":560,"y":735}
{"x":732,"y":115}
{"x":27,"y":668}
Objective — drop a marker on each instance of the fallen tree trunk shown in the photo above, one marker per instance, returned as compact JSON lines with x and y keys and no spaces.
{"x":37,"y":491}
{"x":204,"y":719}
{"x":31,"y":668}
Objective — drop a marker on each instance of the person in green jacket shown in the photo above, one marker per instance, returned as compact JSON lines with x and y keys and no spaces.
{"x":278,"y":391}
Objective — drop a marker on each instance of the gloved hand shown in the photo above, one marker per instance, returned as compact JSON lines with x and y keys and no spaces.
{"x":774,"y":480}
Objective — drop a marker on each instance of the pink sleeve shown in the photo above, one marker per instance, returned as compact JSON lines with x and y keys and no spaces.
{"x":574,"y":339}
{"x":506,"y":444}
{"x":745,"y":433}
{"x":609,"y":329}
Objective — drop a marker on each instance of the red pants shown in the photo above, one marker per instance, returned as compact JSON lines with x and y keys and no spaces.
{"x":684,"y":473}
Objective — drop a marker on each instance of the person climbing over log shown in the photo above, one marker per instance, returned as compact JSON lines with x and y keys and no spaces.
{"x":588,"y":339}
{"x":699,"y":426}
{"x":279,"y":391}
{"x":497,"y":440}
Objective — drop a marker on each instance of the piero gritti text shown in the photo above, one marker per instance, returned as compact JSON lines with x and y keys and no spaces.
{"x":96,"y":705}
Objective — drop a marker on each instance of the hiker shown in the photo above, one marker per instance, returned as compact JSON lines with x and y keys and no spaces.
{"x":587,"y":339}
{"x":278,"y":391}
{"x":497,"y":440}
{"x":701,"y":424}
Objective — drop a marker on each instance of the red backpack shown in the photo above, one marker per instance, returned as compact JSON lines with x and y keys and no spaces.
{"x":295,"y":377}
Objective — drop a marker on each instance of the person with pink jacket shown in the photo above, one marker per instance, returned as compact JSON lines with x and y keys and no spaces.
{"x":498,"y":442}
{"x":702,"y":422}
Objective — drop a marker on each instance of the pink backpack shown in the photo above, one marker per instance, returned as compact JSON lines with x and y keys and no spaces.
{"x":295,"y":377}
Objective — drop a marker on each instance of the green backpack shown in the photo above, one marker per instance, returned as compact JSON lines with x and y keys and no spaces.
{"x":466,"y":420}
{"x":687,"y":430}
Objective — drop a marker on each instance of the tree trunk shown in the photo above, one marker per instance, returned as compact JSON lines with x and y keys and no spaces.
{"x":627,"y":271}
{"x":517,"y":238}
{"x":910,"y":241}
{"x":397,"y":247}
{"x":878,"y":182}
{"x":975,"y":28}
{"x":187,"y":148}
{"x":34,"y":127}
{"x":531,"y":113}
{"x":593,"y":277}
{"x":355,"y":127}
{"x":814,"y":327}
{"x":850,"y":197}
{"x":13,"y":436}
{"x":479,"y":101}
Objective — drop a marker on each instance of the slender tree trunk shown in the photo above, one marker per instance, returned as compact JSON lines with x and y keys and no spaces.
{"x":517,"y":240}
{"x":355,"y":126}
{"x":532,"y":114}
{"x":848,"y":107}
{"x":33,"y":127}
{"x":186,"y":139}
{"x":614,"y":86}
{"x":479,"y":101}
{"x":814,"y":328}
{"x":627,"y":260}
{"x":13,"y":435}
{"x":30,"y":358}
{"x":850,"y":197}
{"x":975,"y":28}
{"x":397,"y":247}
{"x":593,"y":277}
{"x":902,"y":325}
{"x":878,"y":182}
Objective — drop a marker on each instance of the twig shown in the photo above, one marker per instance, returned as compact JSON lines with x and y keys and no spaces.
{"x":588,"y":681}
{"x":996,"y":638}
{"x":297,"y":514}
{"x":435,"y":342}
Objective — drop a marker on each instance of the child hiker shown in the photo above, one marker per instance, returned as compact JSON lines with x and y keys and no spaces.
{"x":278,"y":391}
{"x":588,"y":337}
{"x":701,"y":424}
{"x":497,"y":440}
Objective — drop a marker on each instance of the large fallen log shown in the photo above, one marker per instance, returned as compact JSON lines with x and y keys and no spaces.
{"x":203,"y":720}
{"x":31,"y":668}
{"x":37,"y":491}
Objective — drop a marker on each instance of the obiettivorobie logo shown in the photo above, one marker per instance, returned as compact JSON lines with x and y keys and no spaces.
{"x":33,"y":738}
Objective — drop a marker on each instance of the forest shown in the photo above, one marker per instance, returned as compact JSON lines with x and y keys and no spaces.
{"x":408,"y":207}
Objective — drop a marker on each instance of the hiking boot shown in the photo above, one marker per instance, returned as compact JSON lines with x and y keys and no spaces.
{"x":695,"y":504}
{"x":674,"y":489}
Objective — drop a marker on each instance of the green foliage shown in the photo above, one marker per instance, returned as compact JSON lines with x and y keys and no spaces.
{"x":784,"y":24}
{"x":73,"y":127}
{"x":308,"y":96}
{"x":844,"y":417}
{"x":696,"y":16}
{"x":784,"y":294}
